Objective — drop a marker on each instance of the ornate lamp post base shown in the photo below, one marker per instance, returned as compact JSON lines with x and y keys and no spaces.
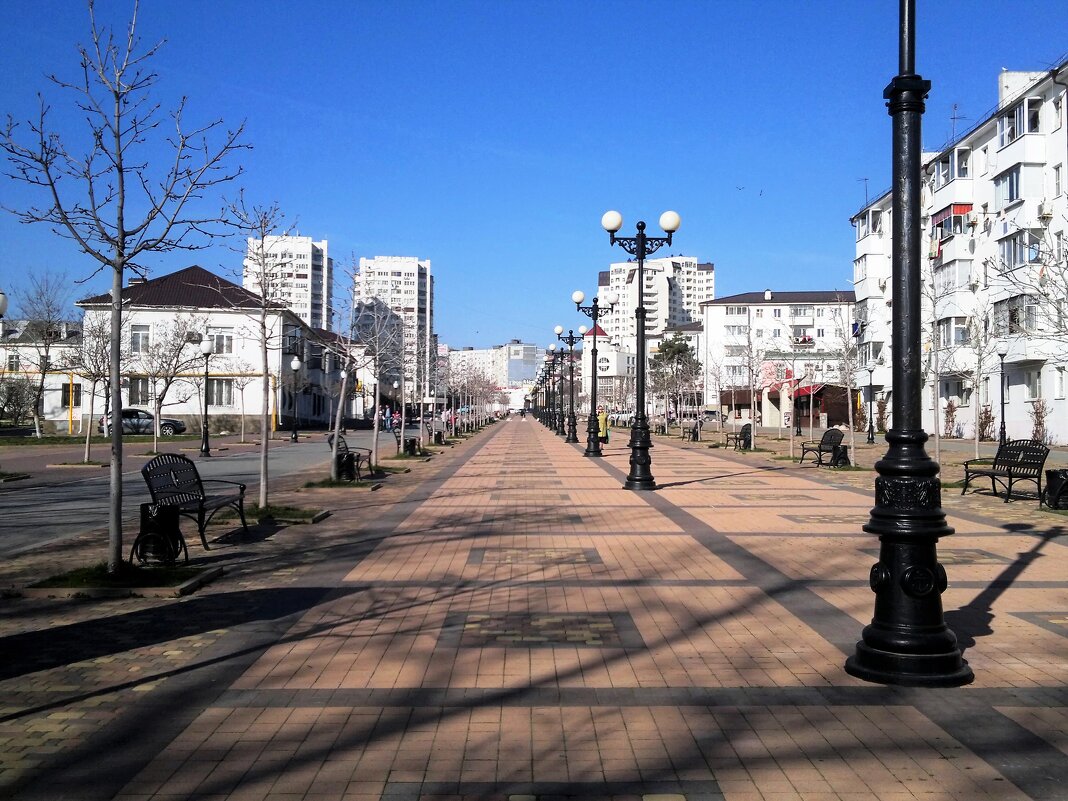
{"x":572,"y":429}
{"x":640,"y":476}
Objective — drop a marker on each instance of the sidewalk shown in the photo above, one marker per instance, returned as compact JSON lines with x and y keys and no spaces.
{"x":506,"y":622}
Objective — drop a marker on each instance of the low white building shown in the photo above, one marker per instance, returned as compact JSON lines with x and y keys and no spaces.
{"x":768,"y":346}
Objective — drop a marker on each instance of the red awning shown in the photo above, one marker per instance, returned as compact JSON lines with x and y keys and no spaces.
{"x":808,"y":390}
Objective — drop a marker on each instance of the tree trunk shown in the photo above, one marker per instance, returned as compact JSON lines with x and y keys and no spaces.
{"x":89,"y":428}
{"x":337,"y":427}
{"x":115,"y":493}
{"x":265,"y":410}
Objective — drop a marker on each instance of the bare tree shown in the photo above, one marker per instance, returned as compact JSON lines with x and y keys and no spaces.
{"x":244,"y":374}
{"x":16,"y":396}
{"x":118,"y":199}
{"x":378,"y":330}
{"x":981,"y":347}
{"x":169,"y":361}
{"x":848,"y":358}
{"x":91,"y":360}
{"x":45,"y":307}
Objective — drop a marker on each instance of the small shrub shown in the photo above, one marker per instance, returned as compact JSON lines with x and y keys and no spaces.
{"x":1039,"y":412}
{"x":949,"y":420}
{"x":986,"y":423}
{"x":881,"y":415}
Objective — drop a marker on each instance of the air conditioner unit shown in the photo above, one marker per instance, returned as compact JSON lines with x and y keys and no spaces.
{"x":973,"y":283}
{"x":935,"y":249}
{"x":973,"y":218}
{"x":882,"y":284}
{"x":1045,"y":211}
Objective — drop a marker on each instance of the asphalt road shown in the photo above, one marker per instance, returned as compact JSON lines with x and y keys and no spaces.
{"x":58,"y":504}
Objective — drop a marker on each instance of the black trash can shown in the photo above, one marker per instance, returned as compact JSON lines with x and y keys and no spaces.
{"x":411,"y":446}
{"x":159,"y":540}
{"x":1057,"y":489}
{"x":439,"y":437}
{"x":346,"y":466}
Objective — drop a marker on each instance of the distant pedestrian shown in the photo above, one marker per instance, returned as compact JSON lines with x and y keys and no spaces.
{"x":602,"y":424}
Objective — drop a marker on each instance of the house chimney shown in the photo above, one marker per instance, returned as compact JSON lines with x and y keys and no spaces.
{"x":135,"y":279}
{"x":767,"y":294}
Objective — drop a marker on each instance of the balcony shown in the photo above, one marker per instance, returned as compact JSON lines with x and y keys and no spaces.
{"x":1028,"y":148}
{"x":959,"y":190}
{"x":802,"y":343}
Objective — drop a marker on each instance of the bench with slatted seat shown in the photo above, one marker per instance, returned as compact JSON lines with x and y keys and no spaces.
{"x":829,"y":446}
{"x":742,"y":439}
{"x":351,"y":461}
{"x":692,"y":433}
{"x":1016,"y":460}
{"x":173,"y":480}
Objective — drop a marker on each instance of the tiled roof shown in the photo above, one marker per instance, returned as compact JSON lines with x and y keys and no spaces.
{"x":779,"y":298}
{"x":191,"y":288}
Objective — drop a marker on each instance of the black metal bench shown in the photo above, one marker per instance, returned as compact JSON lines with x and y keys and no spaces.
{"x":742,"y":439}
{"x":829,"y":445}
{"x":173,"y":480}
{"x":351,"y":462}
{"x":1016,"y":460}
{"x":434,"y":434}
{"x":693,"y":433}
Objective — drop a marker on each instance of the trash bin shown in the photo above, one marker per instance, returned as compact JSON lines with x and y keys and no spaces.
{"x":411,"y":446}
{"x":1057,"y":489}
{"x":159,"y":539}
{"x":346,"y":466}
{"x":439,"y":437}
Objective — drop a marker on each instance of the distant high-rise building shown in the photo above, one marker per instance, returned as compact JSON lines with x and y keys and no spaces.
{"x":405,"y":285}
{"x":675,"y":288}
{"x":299,"y":273}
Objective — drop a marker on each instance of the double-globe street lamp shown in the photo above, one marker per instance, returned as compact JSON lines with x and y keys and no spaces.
{"x":206,"y":348}
{"x":595,"y":312}
{"x":295,"y":367}
{"x":571,"y":340}
{"x":907,"y":641}
{"x":640,"y":476}
{"x":1003,"y":351}
{"x":558,"y":424}
{"x":549,"y":417}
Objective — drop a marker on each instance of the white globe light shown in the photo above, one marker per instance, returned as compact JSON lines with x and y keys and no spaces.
{"x":583,"y":329}
{"x":295,"y":364}
{"x":206,"y":346}
{"x":670,"y":221}
{"x":578,"y":296}
{"x":613,"y":298}
{"x":552,"y":347}
{"x":559,"y":330}
{"x":612,"y":221}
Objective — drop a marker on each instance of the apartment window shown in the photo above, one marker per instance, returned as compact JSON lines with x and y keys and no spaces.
{"x":220,"y":392}
{"x":67,"y":391}
{"x":1033,"y":384}
{"x":820,"y":334}
{"x":776,"y":313}
{"x":759,"y":312}
{"x":1056,"y":180}
{"x":13,"y":362}
{"x":1058,"y":105}
{"x":1059,"y":375}
{"x":984,"y":160}
{"x":953,"y":331}
{"x":1024,"y":117}
{"x":984,"y":391}
{"x":963,"y":157}
{"x":222,"y":340}
{"x":950,"y":221}
{"x":139,"y":338}
{"x":776,"y":333}
{"x":1018,"y":249}
{"x":139,"y":390}
{"x":819,"y":311}
{"x":1018,"y":315}
{"x":1007,"y":188}
{"x":800,"y":311}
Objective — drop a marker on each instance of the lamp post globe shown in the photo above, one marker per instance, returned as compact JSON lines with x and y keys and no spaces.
{"x":3,"y":304}
{"x":294,"y":365}
{"x":206,"y":349}
{"x":640,"y":246}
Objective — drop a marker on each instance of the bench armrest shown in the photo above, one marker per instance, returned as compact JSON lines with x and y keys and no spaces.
{"x":223,"y":481}
{"x":978,"y":461}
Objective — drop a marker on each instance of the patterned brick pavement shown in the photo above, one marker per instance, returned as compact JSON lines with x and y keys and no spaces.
{"x":505,"y":622}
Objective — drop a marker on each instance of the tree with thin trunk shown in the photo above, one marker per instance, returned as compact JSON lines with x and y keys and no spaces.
{"x":848,"y":358}
{"x":91,"y":360}
{"x":45,"y":307}
{"x":171,"y":358}
{"x":379,"y":331}
{"x":133,"y":188}
{"x":244,"y":374}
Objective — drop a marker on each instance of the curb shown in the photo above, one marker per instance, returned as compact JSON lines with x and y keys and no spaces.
{"x":177,"y":591}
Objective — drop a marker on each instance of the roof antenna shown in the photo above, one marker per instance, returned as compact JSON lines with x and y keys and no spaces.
{"x":865,"y":180}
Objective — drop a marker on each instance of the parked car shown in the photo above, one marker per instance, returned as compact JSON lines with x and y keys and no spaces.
{"x":138,"y":421}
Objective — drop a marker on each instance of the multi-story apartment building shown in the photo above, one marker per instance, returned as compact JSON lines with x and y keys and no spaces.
{"x":405,"y":285}
{"x":508,"y":366}
{"x":616,"y":371}
{"x":995,"y":283}
{"x":295,"y":271}
{"x":675,"y":288}
{"x":765,"y":346}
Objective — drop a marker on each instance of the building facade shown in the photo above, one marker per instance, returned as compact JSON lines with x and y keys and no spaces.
{"x":405,"y":285}
{"x":675,"y":288}
{"x":295,"y":271}
{"x":995,"y":283}
{"x":761,"y":349}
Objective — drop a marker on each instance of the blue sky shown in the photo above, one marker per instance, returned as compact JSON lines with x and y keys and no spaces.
{"x":490,"y":137}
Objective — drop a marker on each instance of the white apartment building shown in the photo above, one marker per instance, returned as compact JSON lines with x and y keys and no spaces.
{"x":299,"y":272}
{"x":405,"y":285}
{"x":675,"y":288}
{"x":616,"y":372}
{"x":769,"y":346}
{"x":508,"y":366}
{"x":995,"y":282}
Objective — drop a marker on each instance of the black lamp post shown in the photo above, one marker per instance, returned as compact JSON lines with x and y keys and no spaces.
{"x":595,"y":312}
{"x":640,"y":476}
{"x":1003,"y":351}
{"x":558,"y":415}
{"x":550,"y":406}
{"x":907,"y":642}
{"x":871,"y":394}
{"x":295,"y":367}
{"x":205,"y":446}
{"x":570,"y":340}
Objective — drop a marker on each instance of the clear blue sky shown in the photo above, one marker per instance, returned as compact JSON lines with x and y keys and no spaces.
{"x":490,"y":137}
